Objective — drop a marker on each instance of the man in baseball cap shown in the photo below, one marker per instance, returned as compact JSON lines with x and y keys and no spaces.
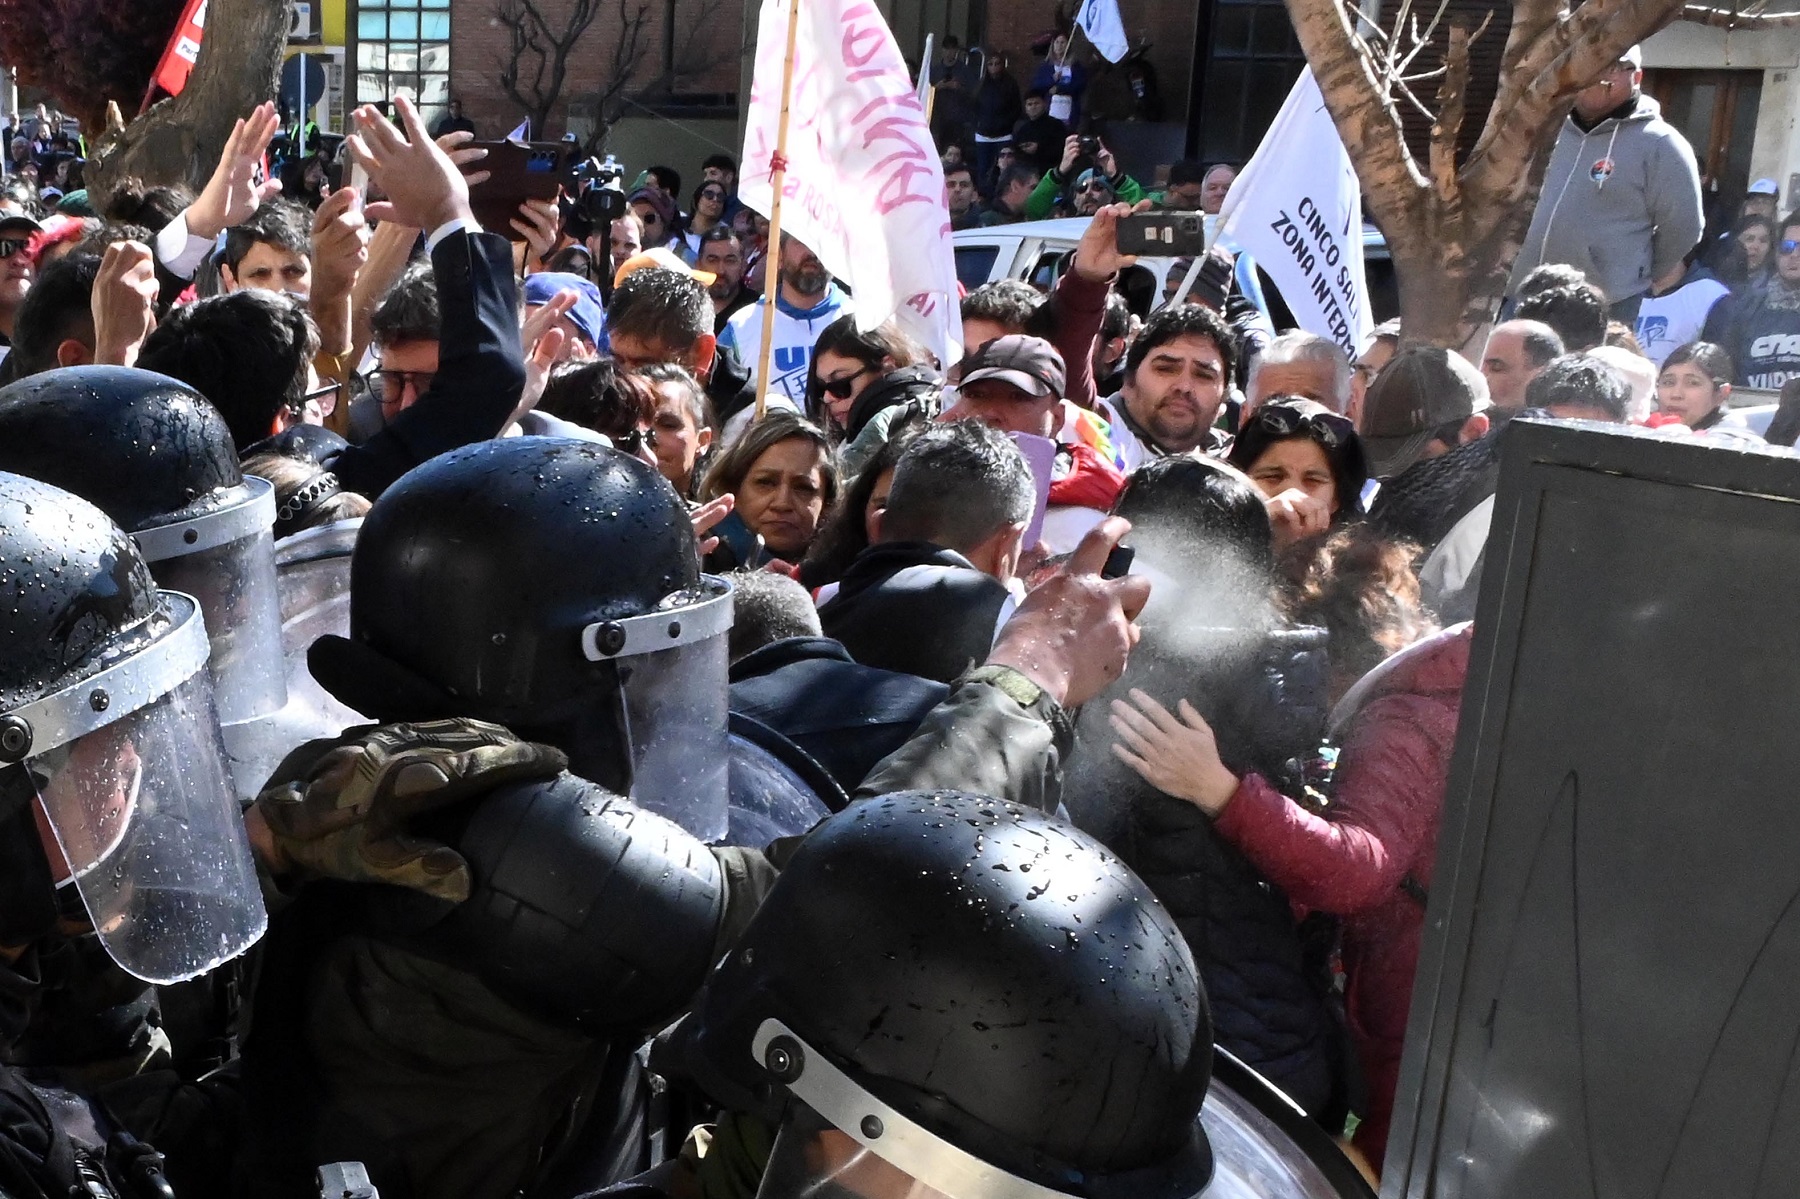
{"x":1426,"y":402}
{"x":1015,"y":384}
{"x":665,"y":258}
{"x":584,"y":324}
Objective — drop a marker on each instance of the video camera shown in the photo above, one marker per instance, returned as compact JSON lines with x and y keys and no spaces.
{"x":600,"y":191}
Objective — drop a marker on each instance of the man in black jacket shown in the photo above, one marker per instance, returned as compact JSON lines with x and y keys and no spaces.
{"x":480,"y":368}
{"x":787,"y":675}
{"x":928,"y":596}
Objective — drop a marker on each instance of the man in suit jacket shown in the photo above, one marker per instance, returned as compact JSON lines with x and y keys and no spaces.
{"x":474,"y":380}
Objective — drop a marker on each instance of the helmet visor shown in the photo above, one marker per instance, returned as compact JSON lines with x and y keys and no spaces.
{"x":672,"y":667}
{"x":140,"y":815}
{"x":841,"y":1142}
{"x":814,"y":1160}
{"x":234,"y":580}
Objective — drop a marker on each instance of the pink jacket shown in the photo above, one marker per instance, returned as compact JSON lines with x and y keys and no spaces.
{"x":1382,"y":831}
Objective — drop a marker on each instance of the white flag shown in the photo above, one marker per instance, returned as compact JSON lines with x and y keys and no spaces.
{"x":864,"y":187}
{"x":1297,"y":210}
{"x":1100,"y":20}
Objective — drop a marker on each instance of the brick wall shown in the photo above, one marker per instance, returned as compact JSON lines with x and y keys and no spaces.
{"x":710,"y":30}
{"x":479,"y":43}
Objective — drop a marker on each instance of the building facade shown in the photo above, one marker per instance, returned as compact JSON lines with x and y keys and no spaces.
{"x":1221,"y":69}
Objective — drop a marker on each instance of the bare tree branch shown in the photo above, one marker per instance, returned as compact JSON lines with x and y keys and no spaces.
{"x":536,"y":66}
{"x":1447,"y":129}
{"x":1360,"y":104}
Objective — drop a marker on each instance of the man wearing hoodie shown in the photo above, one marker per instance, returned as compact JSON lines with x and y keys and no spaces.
{"x":1621,"y":197}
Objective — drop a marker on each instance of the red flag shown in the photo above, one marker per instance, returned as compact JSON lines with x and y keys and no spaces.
{"x":184,"y":47}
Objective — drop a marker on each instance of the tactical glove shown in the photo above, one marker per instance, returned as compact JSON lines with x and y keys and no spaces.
{"x":349,"y":817}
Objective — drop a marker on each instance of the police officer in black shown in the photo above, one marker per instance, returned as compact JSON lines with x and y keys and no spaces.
{"x":158,"y":459}
{"x":123,"y":857}
{"x":477,"y":1038}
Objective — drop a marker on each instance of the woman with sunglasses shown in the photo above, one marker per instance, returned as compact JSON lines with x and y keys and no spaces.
{"x":710,"y":199}
{"x":859,"y":385}
{"x":1308,"y":463}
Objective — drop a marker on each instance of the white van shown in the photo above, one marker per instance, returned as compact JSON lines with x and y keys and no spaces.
{"x":1038,"y":252}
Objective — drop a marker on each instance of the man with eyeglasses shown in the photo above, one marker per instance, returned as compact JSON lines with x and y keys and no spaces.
{"x":1760,"y":327}
{"x":1621,"y":196}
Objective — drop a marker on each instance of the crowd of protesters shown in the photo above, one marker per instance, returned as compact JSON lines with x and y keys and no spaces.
{"x":1273,"y":761}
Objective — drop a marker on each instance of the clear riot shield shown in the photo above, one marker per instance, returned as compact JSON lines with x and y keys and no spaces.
{"x":131,"y":787}
{"x":672,"y":670}
{"x":313,"y":582}
{"x":226,"y":559}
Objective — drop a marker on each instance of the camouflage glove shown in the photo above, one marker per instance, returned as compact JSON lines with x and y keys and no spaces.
{"x":348,"y":817}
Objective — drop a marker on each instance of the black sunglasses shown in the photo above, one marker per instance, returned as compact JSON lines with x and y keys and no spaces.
{"x":635,"y":440}
{"x":12,"y":245}
{"x":1284,"y":420}
{"x":840,"y":388}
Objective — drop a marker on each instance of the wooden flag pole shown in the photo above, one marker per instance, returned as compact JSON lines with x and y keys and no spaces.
{"x":777,"y":177}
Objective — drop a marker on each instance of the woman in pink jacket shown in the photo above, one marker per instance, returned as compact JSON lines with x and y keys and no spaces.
{"x":1368,"y":860}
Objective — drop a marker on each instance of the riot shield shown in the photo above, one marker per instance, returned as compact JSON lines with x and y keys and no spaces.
{"x":313,"y":582}
{"x":1604,"y":1003}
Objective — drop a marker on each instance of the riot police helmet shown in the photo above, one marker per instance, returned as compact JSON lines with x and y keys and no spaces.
{"x":551,"y":586}
{"x":949,"y":995}
{"x":112,"y":776}
{"x":157,"y":458}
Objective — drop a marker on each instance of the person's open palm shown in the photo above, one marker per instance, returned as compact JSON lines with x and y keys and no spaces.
{"x":1175,"y":752}
{"x":424,"y":188}
{"x":236,"y":191}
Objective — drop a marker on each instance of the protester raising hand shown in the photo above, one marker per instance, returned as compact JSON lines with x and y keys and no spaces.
{"x":1097,"y":255}
{"x":1295,"y":515}
{"x":124,"y":303}
{"x":237,"y":188}
{"x":424,"y":189}
{"x":543,"y":343}
{"x":539,"y":226}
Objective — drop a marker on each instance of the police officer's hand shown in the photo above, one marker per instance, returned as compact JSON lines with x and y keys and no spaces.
{"x":1073,"y":634}
{"x":350,"y":817}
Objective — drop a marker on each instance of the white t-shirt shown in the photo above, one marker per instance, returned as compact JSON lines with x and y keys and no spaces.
{"x":1666,"y":323}
{"x":796,"y":330}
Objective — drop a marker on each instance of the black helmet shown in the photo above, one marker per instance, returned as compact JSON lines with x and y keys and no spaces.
{"x":551,"y":586}
{"x":153,"y":455}
{"x":106,"y":722}
{"x":977,"y":994}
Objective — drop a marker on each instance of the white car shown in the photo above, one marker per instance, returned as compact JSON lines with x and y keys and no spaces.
{"x":1038,"y":251}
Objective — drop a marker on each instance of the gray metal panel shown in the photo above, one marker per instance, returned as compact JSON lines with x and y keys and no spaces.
{"x":1605,"y":1004}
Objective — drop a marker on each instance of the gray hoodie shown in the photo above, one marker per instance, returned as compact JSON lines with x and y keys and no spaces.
{"x":1621,"y":203}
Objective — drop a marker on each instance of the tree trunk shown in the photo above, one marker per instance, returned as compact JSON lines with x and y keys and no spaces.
{"x":1453,"y":230}
{"x":179,"y":140}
